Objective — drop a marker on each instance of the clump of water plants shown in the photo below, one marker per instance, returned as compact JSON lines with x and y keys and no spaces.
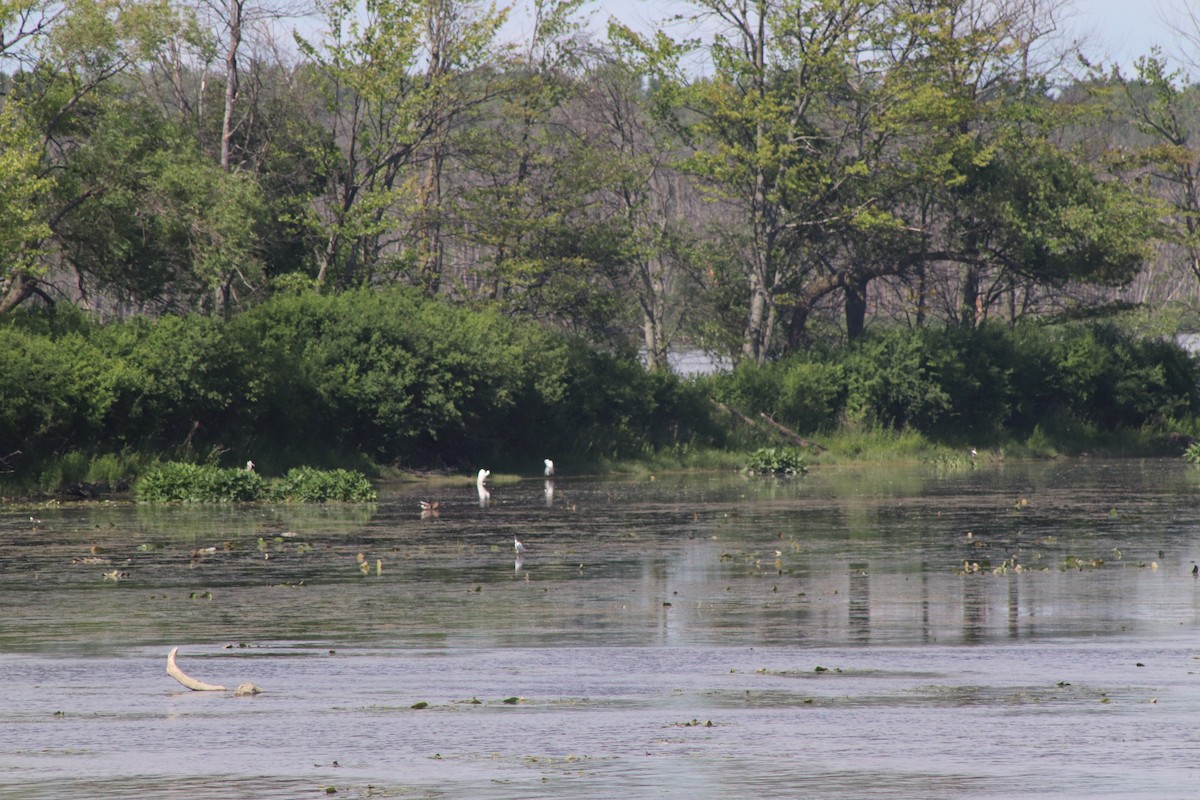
{"x":177,"y":481}
{"x":1192,"y":454}
{"x":309,"y":485}
{"x":174,"y":481}
{"x":777,"y":461}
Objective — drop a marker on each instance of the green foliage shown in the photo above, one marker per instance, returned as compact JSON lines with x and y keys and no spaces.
{"x":308,"y":485}
{"x":22,"y":193}
{"x":316,"y":379}
{"x":1054,"y":383}
{"x":175,"y":481}
{"x":777,"y":460}
{"x":1192,"y":454}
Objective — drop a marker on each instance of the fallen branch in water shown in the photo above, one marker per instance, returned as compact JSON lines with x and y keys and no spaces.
{"x":200,"y":686}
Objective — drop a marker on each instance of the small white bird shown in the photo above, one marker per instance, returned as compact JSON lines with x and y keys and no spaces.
{"x":249,"y":466}
{"x":520,"y":548}
{"x":483,"y":476}
{"x":549,"y":468}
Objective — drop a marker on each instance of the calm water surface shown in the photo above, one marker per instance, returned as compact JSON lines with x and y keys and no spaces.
{"x":1008,"y":630}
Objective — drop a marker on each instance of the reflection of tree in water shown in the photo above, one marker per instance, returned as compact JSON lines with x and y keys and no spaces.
{"x":1014,"y":609}
{"x":974,"y":609}
{"x":860,"y":602}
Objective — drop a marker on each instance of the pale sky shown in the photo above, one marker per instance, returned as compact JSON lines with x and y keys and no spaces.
{"x":1126,"y":29}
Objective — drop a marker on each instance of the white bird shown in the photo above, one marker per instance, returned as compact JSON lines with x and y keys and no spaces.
{"x":549,"y":468}
{"x":520,"y":548}
{"x":483,"y":476}
{"x":249,"y":466}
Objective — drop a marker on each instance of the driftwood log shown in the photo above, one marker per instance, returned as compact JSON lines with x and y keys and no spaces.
{"x":200,"y":686}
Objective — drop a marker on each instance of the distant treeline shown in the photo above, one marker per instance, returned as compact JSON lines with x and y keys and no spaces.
{"x":396,"y":378}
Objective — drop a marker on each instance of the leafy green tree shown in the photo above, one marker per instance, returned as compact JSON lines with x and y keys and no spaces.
{"x":147,"y":218}
{"x":1164,"y":110}
{"x":993,"y":198}
{"x":383,"y":111}
{"x":528,"y":203}
{"x":773,"y":136}
{"x":647,"y":198}
{"x":23,"y":191}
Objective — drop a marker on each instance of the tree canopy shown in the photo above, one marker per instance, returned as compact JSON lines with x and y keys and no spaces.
{"x":797,"y":170}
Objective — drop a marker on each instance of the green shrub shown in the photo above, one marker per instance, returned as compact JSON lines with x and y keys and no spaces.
{"x":308,"y":485}
{"x":175,"y":481}
{"x":1070,"y":383}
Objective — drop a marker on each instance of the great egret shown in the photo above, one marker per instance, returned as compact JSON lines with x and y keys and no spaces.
{"x":520,"y":548}
{"x":483,"y":476}
{"x":549,"y":468}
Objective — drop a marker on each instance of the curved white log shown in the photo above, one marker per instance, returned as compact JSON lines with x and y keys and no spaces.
{"x":187,"y":680}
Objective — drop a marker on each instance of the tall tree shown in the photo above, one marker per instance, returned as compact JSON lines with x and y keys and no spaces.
{"x":647,"y":197}
{"x":385,"y":105}
{"x":1166,"y":111}
{"x":770,"y":134}
{"x":66,"y":55}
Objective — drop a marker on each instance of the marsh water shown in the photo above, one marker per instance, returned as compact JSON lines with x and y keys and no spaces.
{"x":984,"y":630}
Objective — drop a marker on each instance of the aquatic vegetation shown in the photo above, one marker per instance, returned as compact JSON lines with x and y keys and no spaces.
{"x":777,"y":461}
{"x":309,"y":485}
{"x":174,"y":481}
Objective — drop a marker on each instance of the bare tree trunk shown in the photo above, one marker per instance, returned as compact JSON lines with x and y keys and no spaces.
{"x":231,"y":77}
{"x":755,"y":321}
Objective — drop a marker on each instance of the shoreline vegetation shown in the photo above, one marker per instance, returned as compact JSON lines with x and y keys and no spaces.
{"x":421,"y":242}
{"x":368,"y":383}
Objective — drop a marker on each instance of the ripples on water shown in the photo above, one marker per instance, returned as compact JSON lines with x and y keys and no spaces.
{"x":692,"y":636}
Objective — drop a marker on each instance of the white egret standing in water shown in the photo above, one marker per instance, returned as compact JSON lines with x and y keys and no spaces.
{"x":549,"y":468}
{"x":520,"y":548}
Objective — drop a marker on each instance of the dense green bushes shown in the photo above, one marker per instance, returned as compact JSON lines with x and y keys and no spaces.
{"x":325,"y":381}
{"x":960,"y":385}
{"x":174,"y":481}
{"x":318,"y":379}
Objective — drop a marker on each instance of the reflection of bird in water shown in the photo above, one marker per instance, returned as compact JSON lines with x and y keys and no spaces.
{"x":549,"y":468}
{"x":517,"y":565}
{"x":485,"y":497}
{"x":429,"y":509}
{"x":549,"y":491}
{"x":520,"y":548}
